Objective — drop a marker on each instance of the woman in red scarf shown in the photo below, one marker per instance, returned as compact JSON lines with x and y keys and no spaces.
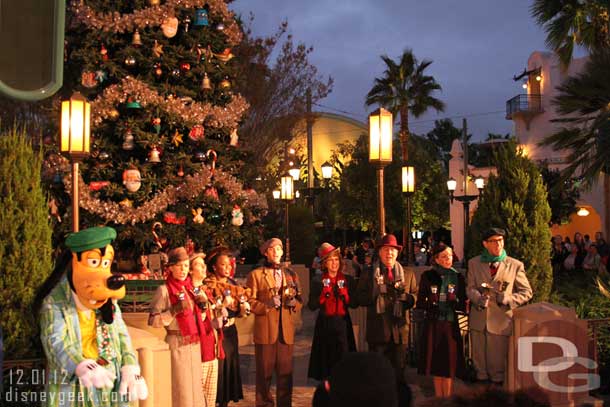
{"x":174,"y":308}
{"x":333,"y":333}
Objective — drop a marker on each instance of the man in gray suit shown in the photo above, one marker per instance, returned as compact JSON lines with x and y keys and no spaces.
{"x":496,"y":284}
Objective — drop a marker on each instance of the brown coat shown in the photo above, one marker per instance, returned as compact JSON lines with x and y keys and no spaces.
{"x":497,"y":319}
{"x":267,"y":319}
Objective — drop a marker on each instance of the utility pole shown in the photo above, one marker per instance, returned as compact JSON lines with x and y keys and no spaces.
{"x":310,"y":172}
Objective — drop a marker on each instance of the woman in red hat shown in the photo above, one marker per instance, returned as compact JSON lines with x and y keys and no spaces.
{"x":333,"y":334}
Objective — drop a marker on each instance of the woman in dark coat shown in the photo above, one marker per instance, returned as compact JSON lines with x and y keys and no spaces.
{"x":229,"y":375}
{"x":442,"y":292}
{"x":333,"y":333}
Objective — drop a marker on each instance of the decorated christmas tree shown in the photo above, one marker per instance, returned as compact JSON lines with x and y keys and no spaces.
{"x":165,"y":160}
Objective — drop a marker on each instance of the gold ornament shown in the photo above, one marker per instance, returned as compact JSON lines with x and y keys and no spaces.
{"x":113,"y":114}
{"x":136,"y":40}
{"x":126,"y":203}
{"x":205,"y":83}
{"x":154,"y":2}
{"x":225,"y":84}
{"x":177,"y":138}
{"x":234,"y":138}
{"x":157,"y":49}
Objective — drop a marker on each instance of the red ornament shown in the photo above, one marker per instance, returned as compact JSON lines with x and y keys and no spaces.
{"x":197,"y":133}
{"x":172,"y":218}
{"x":97,"y":185}
{"x":104,"y":53}
{"x":212,"y":193}
{"x":185,"y":67}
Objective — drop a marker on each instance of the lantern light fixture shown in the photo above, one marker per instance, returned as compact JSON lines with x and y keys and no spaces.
{"x":327,"y":170}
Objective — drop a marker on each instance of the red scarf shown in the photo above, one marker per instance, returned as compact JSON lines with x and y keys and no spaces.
{"x":333,"y":305}
{"x":190,"y":322}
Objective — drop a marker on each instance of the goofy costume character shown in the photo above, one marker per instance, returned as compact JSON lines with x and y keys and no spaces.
{"x":90,"y":359}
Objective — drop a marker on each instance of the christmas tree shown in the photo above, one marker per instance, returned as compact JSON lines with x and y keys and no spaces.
{"x":165,"y":164}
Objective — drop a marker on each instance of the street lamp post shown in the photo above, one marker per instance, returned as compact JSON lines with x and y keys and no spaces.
{"x":408,"y":189}
{"x":465,"y":200}
{"x":287,"y":195}
{"x":380,"y":154}
{"x":74,"y":141}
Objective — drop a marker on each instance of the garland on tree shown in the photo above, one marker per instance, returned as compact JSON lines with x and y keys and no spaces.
{"x":190,"y":113}
{"x":154,"y":16}
{"x":192,"y":186}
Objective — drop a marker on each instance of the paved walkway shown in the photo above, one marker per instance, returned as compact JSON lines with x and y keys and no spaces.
{"x":303,"y":387}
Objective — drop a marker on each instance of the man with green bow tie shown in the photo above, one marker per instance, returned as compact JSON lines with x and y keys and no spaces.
{"x":496,"y":284}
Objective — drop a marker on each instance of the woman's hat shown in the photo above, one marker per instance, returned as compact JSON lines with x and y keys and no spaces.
{"x":196,"y":256}
{"x":176,"y":255}
{"x":326,"y":250}
{"x":388,"y":240}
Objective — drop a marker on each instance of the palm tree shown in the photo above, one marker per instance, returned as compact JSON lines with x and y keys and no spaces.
{"x":573,"y":22}
{"x":404,"y":89}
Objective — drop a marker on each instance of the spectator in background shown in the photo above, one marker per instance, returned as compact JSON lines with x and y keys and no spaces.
{"x":558,"y":254}
{"x":569,"y":262}
{"x":587,"y":241}
{"x":592,"y":260}
{"x":602,"y":248}
{"x":579,"y":242}
{"x":567,"y":243}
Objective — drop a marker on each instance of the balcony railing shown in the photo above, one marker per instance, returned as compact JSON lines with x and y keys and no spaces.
{"x":527,"y":105}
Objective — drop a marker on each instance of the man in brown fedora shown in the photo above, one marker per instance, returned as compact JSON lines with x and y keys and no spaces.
{"x":388,"y":291}
{"x":275,"y":302}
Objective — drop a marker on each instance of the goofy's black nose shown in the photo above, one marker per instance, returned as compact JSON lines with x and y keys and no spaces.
{"x":115,"y":282}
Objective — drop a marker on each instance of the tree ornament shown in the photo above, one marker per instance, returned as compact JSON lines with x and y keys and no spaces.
{"x":225,"y":83}
{"x":175,"y":73}
{"x":173,"y":219}
{"x":130,"y":61}
{"x":154,"y":2}
{"x":128,"y":140}
{"x":234,"y":138}
{"x":201,"y":17}
{"x":177,"y":138}
{"x":136,"y":40}
{"x":237,"y":217}
{"x":197,"y":217}
{"x":157,"y":69}
{"x":211,"y":155}
{"x":157,"y":49}
{"x":103,"y":156}
{"x":132,"y":179}
{"x":113,"y":114}
{"x":54,"y":210}
{"x":225,"y":56}
{"x":88,"y":79}
{"x":132,"y":103}
{"x":205,"y":82}
{"x":199,"y":157}
{"x":187,"y":24}
{"x":154,"y":155}
{"x":156,"y":123}
{"x":170,"y":27}
{"x":180,"y":172}
{"x":185,"y":66}
{"x":100,"y":76}
{"x":126,"y":203}
{"x":104,"y":53}
{"x":220,"y":27}
{"x":98,"y":185}
{"x":211,"y":192}
{"x":197,"y":133}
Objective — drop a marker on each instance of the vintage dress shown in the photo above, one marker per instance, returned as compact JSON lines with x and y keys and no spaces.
{"x":333,"y":334}
{"x":442,"y":348}
{"x":229,"y":374}
{"x":186,"y":374}
{"x":61,"y":340}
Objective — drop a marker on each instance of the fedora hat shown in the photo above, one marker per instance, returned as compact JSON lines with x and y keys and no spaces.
{"x":176,"y":255}
{"x":389,"y":240}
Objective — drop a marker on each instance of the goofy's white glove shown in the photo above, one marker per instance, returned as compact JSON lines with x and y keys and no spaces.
{"x":132,"y":383}
{"x":90,"y":375}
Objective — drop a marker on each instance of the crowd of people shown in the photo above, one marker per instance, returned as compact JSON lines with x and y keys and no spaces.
{"x":579,"y":254}
{"x":200,"y":300}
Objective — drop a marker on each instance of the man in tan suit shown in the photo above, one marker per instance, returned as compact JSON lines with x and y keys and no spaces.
{"x":496,"y":284}
{"x":275,"y":302}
